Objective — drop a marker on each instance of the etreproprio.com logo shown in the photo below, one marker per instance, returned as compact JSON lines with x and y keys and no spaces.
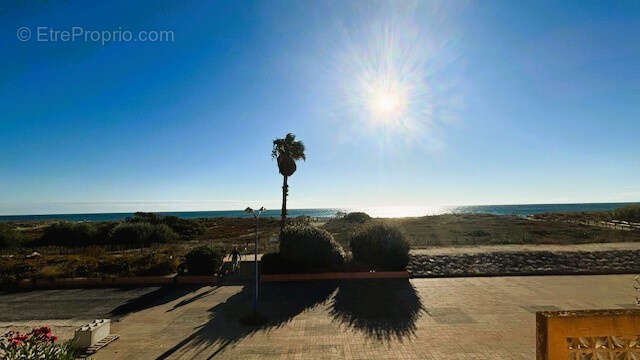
{"x":80,"y":34}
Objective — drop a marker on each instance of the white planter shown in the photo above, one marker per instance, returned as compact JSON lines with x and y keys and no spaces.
{"x":90,"y":334}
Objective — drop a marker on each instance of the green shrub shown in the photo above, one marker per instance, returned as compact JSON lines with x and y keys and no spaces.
{"x":629,"y":213}
{"x":273,"y":263}
{"x":186,"y":228}
{"x":94,"y":251}
{"x":103,"y":230}
{"x":309,"y":248}
{"x":80,"y":267}
{"x":131,"y":234}
{"x":357,"y":217}
{"x":301,"y":220}
{"x":154,"y":264}
{"x":114,"y":266}
{"x":141,"y":234}
{"x":145,"y":217}
{"x":13,"y":270}
{"x":161,"y":234}
{"x":9,"y":237}
{"x":66,"y":233}
{"x":381,"y":247}
{"x":204,"y":260}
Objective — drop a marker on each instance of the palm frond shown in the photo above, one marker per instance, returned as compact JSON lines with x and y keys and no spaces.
{"x":288,"y":146}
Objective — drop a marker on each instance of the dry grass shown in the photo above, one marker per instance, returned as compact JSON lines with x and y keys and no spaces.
{"x":441,"y":230}
{"x":477,"y":229}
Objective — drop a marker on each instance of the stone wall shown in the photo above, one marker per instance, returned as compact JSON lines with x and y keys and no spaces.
{"x":526,"y":263}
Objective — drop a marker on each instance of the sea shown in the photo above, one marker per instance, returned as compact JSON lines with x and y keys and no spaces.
{"x":386,"y":211}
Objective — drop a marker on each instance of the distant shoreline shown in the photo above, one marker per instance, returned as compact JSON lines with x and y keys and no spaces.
{"x":389,"y":212}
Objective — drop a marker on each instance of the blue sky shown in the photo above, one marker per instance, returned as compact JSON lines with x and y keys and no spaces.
{"x":501,"y":102}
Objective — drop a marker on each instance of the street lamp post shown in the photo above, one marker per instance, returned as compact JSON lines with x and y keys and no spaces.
{"x":256,"y":215}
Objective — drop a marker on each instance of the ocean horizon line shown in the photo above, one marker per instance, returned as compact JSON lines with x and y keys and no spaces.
{"x":375,"y":211}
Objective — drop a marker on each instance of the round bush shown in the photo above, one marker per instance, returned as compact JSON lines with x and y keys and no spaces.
{"x":69,"y":234}
{"x":309,"y":248}
{"x":161,"y":234}
{"x":130,"y":234}
{"x":204,"y":260}
{"x":357,"y":217}
{"x":141,"y":234}
{"x":381,"y":247}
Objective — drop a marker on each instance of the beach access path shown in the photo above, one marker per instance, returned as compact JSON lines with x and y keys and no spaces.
{"x":480,"y":249}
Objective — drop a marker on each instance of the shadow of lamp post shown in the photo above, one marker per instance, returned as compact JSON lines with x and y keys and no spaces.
{"x":256,"y":215}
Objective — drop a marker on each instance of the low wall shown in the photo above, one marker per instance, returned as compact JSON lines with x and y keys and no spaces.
{"x":526,"y":263}
{"x":204,"y":280}
{"x":588,"y":334}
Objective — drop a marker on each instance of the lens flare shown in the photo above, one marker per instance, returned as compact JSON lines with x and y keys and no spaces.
{"x":385,"y":85}
{"x":395,"y":73}
{"x":385,"y":101}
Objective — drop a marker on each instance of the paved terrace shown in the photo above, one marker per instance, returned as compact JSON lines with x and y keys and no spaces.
{"x":458,"y":318}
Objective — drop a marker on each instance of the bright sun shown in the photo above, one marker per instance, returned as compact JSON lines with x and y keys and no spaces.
{"x":385,"y":101}
{"x":385,"y":74}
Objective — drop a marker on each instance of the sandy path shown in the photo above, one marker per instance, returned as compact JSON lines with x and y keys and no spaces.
{"x":454,"y":250}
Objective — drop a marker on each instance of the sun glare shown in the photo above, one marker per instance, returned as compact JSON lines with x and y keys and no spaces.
{"x":384,"y":80}
{"x":386,"y":102}
{"x":394,"y":75}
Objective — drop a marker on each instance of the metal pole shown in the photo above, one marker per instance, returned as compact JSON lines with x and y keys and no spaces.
{"x":255,"y":260}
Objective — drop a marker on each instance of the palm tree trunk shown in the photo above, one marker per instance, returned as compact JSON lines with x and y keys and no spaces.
{"x":285,"y":192}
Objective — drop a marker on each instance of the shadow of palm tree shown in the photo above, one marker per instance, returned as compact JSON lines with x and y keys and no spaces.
{"x":157,"y":297}
{"x":384,"y":309}
{"x":193,"y":298}
{"x":279,"y":302}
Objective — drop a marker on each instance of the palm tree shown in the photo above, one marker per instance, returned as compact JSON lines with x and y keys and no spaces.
{"x":287,"y":151}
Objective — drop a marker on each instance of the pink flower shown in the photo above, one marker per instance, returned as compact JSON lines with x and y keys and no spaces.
{"x":41,"y":330}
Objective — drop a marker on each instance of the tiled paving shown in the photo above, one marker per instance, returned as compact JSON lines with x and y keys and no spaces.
{"x":449,"y":315}
{"x":464,"y":318}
